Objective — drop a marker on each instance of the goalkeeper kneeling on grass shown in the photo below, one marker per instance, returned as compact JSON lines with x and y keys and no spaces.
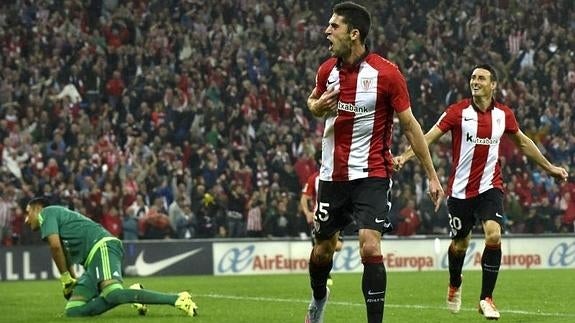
{"x":75,"y":239}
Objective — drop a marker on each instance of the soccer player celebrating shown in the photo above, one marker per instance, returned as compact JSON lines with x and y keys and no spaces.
{"x":358,"y":93}
{"x":475,"y":186}
{"x":75,"y":239}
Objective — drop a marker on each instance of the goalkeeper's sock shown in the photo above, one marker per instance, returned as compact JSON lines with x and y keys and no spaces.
{"x":318,"y":274}
{"x":373,"y":285}
{"x":95,"y":306}
{"x":455,"y":265}
{"x":490,"y":263}
{"x":116,"y":294}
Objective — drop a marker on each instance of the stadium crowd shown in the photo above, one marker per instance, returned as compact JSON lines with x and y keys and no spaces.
{"x":187,"y":119}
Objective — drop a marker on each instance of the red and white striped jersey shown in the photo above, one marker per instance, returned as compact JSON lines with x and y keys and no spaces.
{"x":475,"y":138}
{"x":357,"y":139}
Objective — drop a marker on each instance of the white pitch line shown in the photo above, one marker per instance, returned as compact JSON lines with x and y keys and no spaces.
{"x":410,"y":306}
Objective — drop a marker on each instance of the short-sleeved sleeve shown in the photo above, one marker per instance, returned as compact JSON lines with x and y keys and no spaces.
{"x":309,"y":187}
{"x":511,"y":125}
{"x":448,"y":119}
{"x":398,"y":93}
{"x":322,"y":75}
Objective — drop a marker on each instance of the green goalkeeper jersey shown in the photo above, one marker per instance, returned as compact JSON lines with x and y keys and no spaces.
{"x":77,"y":232}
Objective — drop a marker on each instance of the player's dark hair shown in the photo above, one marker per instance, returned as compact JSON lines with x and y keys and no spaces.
{"x":488,"y":68}
{"x":40,"y":200}
{"x":355,"y":16}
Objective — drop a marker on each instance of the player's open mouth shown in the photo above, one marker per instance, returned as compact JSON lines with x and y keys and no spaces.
{"x":330,"y":44}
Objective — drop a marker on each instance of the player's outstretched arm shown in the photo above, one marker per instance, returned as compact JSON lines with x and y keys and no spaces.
{"x":528,"y":147}
{"x":418,"y":142}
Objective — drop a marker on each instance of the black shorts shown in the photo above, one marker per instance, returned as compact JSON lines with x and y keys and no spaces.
{"x":464,"y":213}
{"x":364,"y":201}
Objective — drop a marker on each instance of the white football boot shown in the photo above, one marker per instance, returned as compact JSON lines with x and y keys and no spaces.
{"x":488,"y":309}
{"x":316,"y":309}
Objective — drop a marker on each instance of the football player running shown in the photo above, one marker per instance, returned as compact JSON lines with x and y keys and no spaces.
{"x":475,"y":189}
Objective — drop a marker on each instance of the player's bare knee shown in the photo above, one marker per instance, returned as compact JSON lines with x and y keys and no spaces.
{"x":492,"y":232}
{"x":338,"y":246}
{"x":493,"y":237}
{"x":327,"y":246}
{"x":321,"y":254}
{"x":459,"y":246}
{"x":321,"y":258}
{"x":370,"y":249}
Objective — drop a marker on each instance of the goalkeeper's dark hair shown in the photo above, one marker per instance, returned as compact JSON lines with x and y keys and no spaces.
{"x":40,"y":200}
{"x":355,"y":16}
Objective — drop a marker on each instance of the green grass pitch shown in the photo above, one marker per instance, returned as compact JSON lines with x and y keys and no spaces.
{"x":521,"y":296}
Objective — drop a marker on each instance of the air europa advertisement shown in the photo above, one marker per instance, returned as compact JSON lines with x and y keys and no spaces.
{"x":398,"y":255}
{"x":223,"y":257}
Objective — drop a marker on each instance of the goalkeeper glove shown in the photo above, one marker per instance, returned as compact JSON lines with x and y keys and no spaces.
{"x":68,"y":283}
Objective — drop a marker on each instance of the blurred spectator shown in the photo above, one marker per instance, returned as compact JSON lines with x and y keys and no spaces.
{"x":548,"y":212}
{"x":236,"y":206}
{"x":198,"y":197}
{"x":433,"y":222}
{"x":181,"y":218}
{"x":112,"y":221}
{"x":409,"y":220}
{"x":514,"y":212}
{"x":277,"y":222}
{"x":534,"y":222}
{"x":7,"y":208}
{"x":114,"y":89}
{"x":255,"y":219}
{"x":567,"y":205}
{"x":304,"y":166}
{"x":153,"y":81}
{"x":262,"y":173}
{"x":211,"y":218}
{"x":156,"y":223}
{"x":130,"y":226}
{"x":18,"y":218}
{"x":139,"y":208}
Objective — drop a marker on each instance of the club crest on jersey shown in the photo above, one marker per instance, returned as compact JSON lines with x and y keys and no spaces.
{"x":367,"y":83}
